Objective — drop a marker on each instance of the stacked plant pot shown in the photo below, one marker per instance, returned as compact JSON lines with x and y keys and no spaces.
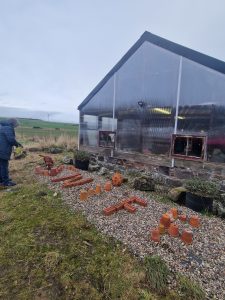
{"x":168,"y":225}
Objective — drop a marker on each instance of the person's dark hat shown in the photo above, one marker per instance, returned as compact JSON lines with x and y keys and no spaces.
{"x":14,"y":122}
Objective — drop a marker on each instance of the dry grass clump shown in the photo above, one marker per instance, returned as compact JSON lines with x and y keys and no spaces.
{"x":65,"y":142}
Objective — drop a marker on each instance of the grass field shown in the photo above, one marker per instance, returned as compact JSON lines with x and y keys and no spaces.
{"x":37,"y":128}
{"x":45,"y":124}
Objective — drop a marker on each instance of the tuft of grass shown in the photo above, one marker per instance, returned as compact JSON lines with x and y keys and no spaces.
{"x":144,"y":295}
{"x":190,"y":290}
{"x":157,"y":274}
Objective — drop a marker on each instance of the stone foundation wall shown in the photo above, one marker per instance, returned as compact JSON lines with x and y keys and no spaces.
{"x":159,"y":178}
{"x":159,"y":163}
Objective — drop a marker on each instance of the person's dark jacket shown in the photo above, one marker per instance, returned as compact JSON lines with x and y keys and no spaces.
{"x":7,"y":139}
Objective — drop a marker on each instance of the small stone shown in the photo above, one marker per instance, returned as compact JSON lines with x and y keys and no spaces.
{"x":221,"y":210}
{"x":55,"y":150}
{"x":177,"y":194}
{"x":93,"y":168}
{"x":173,"y":182}
{"x":101,"y":158}
{"x":103,"y":171}
{"x":34,"y":149}
{"x":67,"y":160}
{"x":144,"y":183}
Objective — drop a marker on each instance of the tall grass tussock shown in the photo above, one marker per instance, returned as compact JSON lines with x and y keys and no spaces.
{"x":66,"y":142}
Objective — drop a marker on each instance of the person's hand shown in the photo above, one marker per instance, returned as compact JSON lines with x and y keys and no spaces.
{"x":19,"y":145}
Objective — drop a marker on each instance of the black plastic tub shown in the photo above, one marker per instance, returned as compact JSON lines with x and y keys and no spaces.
{"x":82,"y":164}
{"x":198,"y":203}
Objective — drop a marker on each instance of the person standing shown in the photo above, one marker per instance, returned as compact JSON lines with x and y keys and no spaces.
{"x":7,"y":141}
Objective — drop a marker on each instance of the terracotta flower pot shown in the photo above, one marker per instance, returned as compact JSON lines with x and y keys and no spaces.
{"x":182,"y":218}
{"x":174,"y":212}
{"x":60,"y":168}
{"x":108,"y":186}
{"x":53,"y":172}
{"x":165,"y":220}
{"x":194,"y":221}
{"x":117,"y":179}
{"x":83,"y":195}
{"x":41,"y":172}
{"x":91,"y":192}
{"x":37,"y":170}
{"x":155,"y":235}
{"x":171,"y":216}
{"x":98,"y":189}
{"x":161,"y":228}
{"x":45,"y":173}
{"x":173,"y":230}
{"x":187,"y":236}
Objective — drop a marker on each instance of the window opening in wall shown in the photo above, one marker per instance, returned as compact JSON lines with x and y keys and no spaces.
{"x":107,"y":139}
{"x":188,"y":147}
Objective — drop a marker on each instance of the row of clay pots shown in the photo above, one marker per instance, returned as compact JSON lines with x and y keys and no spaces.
{"x":172,"y":215}
{"x":117,"y":180}
{"x":53,"y":171}
{"x":167,"y":225}
{"x":84,"y":195}
{"x":186,"y":235}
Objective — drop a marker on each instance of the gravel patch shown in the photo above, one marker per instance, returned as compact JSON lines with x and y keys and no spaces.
{"x":202,"y":261}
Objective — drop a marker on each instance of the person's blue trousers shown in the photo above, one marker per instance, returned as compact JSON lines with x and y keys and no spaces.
{"x":4,"y":171}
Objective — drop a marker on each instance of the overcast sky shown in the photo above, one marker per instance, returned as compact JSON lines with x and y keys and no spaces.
{"x":54,"y":52}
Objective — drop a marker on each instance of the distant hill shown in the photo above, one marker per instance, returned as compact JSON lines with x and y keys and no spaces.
{"x":44,"y":124}
{"x":15,"y":112}
{"x":37,"y":123}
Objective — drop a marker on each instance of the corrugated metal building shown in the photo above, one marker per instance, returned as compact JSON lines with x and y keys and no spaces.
{"x":160,"y":98}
